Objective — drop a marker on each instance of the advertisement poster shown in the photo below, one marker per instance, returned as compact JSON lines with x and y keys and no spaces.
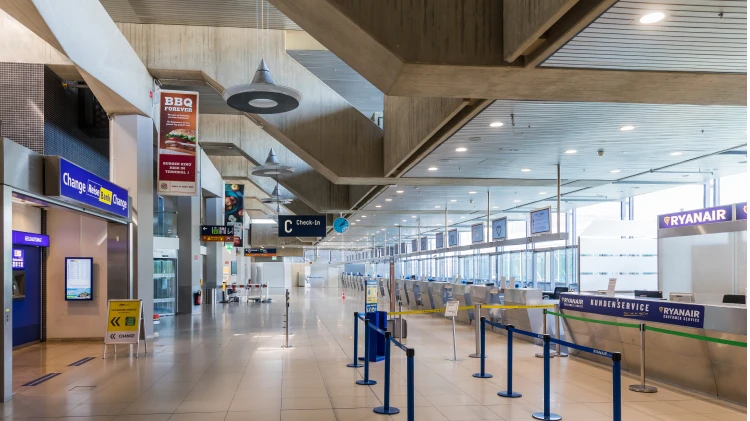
{"x":79,"y":278}
{"x":178,"y":143}
{"x":18,"y":262}
{"x":690,"y":315}
{"x":234,"y":209}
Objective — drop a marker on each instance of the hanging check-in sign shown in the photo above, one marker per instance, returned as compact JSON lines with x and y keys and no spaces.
{"x":302,"y":225}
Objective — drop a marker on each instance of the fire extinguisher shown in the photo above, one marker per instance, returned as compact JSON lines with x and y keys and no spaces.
{"x":197,"y":298}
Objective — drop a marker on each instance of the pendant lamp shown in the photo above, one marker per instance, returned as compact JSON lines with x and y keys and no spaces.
{"x":272,"y":167}
{"x":263,"y":95}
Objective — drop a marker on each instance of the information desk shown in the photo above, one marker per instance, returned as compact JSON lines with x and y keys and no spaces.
{"x":712,"y":368}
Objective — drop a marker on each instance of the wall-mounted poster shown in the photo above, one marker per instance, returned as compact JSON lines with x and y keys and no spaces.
{"x":178,"y":143}
{"x":234,"y":209}
{"x":79,"y":278}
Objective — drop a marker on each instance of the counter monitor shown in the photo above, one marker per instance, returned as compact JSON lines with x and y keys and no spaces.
{"x":540,"y":221}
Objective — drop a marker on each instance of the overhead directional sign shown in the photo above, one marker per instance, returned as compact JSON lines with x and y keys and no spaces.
{"x":302,"y":225}
{"x":217,"y":233}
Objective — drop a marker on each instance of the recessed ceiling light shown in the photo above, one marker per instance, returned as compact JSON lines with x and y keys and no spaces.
{"x":403,"y":220}
{"x":461,"y":149}
{"x":364,"y":216}
{"x":542,"y":192}
{"x":378,"y":206}
{"x":472,"y":192}
{"x":676,"y":153}
{"x":432,"y":169}
{"x":354,"y":223}
{"x":395,"y":224}
{"x":571,"y":151}
{"x":463,"y":217}
{"x":454,"y":200}
{"x":494,"y":207}
{"x":525,"y":170}
{"x":652,"y":17}
{"x":437,"y":207}
{"x":357,"y":220}
{"x":414,"y":216}
{"x":399,"y":191}
{"x":627,"y":128}
{"x":388,"y":200}
{"x":496,"y":124}
{"x":615,"y":171}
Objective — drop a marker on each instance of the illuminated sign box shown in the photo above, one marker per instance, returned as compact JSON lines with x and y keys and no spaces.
{"x":217,"y":233}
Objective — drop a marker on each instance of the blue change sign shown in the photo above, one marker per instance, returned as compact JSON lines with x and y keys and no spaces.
{"x":72,"y":183}
{"x":690,"y":315}
{"x":302,"y":225}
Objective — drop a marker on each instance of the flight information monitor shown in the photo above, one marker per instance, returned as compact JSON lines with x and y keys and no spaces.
{"x":540,"y":221}
{"x":79,"y":278}
{"x":452,"y":238}
{"x":500,"y":228}
{"x":477,"y":233}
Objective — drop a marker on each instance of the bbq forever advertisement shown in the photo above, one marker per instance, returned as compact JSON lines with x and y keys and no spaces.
{"x":178,"y":143}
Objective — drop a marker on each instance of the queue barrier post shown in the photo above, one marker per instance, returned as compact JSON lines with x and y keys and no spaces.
{"x":546,"y":415}
{"x":410,"y":384}
{"x":367,"y":381}
{"x":642,"y":387}
{"x":477,"y":332}
{"x":510,"y":393}
{"x":482,"y":374}
{"x":355,"y":364}
{"x":387,"y":409}
{"x":616,"y":388}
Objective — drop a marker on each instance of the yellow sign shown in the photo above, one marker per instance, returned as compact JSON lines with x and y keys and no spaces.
{"x":105,"y":196}
{"x":123,"y":322}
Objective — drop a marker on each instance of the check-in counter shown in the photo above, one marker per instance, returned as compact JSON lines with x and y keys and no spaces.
{"x":477,"y":295}
{"x":381,"y":287}
{"x":441,"y":292}
{"x":401,"y":293}
{"x":712,"y":368}
{"x":461,"y":294}
{"x":412,"y":291}
{"x":530,"y":319}
{"x":425,"y":303}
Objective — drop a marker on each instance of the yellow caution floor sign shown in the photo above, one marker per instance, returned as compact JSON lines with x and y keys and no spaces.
{"x":124,"y":323}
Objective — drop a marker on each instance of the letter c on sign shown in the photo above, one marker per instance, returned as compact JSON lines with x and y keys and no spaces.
{"x":286,"y":226}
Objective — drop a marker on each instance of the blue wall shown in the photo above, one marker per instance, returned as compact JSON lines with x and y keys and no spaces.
{"x":27,"y":312}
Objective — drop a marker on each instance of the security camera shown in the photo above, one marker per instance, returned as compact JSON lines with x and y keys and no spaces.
{"x":471,"y":200}
{"x":601,"y":152}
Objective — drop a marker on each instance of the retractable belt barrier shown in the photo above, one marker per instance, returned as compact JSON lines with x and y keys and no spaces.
{"x":386,"y":409}
{"x":442,"y":309}
{"x":546,"y":414}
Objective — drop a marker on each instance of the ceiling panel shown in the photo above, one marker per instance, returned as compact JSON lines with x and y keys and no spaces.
{"x":536,"y":135}
{"x":209,"y":101}
{"x":223,"y":13}
{"x":695,"y":36}
{"x":341,"y":78}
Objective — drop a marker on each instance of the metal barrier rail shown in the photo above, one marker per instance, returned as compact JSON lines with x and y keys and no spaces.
{"x":546,"y":414}
{"x":463,"y":308}
{"x":386,"y":409}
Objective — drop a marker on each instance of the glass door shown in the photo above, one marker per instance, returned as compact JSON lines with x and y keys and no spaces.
{"x":165,"y":286}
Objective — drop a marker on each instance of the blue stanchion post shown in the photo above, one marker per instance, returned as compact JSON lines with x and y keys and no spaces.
{"x":366,"y":381}
{"x":387,"y":409}
{"x":410,"y":384}
{"x":510,"y":393}
{"x":355,"y":364}
{"x":616,"y":387}
{"x":546,"y":415}
{"x":482,"y":357}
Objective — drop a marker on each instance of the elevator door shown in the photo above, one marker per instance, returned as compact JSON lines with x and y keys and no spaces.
{"x":165,"y":286}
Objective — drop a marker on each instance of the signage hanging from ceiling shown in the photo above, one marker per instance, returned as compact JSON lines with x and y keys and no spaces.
{"x":403,"y":248}
{"x":439,"y":240}
{"x":696,"y":217}
{"x":414,"y":245}
{"x":178,"y":143}
{"x":260,"y":252}
{"x":453,"y":238}
{"x":423,"y":244}
{"x":217,"y":234}
{"x":540,"y":221}
{"x":302,"y":225}
{"x":21,"y":238}
{"x":500,"y":228}
{"x":234,"y":210}
{"x":477,"y":233}
{"x":740,"y":211}
{"x":73,"y":184}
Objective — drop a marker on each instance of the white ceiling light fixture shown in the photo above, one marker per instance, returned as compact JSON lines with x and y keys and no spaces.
{"x":542,"y":192}
{"x":525,"y":170}
{"x":399,"y":191}
{"x":437,"y":207}
{"x":432,"y":169}
{"x":414,"y":216}
{"x":461,"y":149}
{"x":388,"y":200}
{"x":272,"y":167}
{"x":454,"y":200}
{"x":496,"y":124}
{"x":675,"y":154}
{"x":652,"y":17}
{"x":615,"y":171}
{"x":516,"y":201}
{"x":378,"y":206}
{"x":627,"y":128}
{"x":364,"y":216}
{"x":571,"y":151}
{"x":262,"y":221}
{"x":357,"y":220}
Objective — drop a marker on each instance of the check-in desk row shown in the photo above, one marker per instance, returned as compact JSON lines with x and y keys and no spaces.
{"x":357,"y":283}
{"x":429,"y":295}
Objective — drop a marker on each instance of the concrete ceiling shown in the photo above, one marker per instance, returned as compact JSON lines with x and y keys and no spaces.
{"x":695,"y":36}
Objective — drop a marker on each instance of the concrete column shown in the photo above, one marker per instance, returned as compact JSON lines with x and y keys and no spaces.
{"x":131,"y":165}
{"x":189,"y":261}
{"x":6,"y":293}
{"x":214,"y":253}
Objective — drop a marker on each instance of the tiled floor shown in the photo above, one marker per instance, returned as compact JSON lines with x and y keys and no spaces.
{"x":228,"y":365}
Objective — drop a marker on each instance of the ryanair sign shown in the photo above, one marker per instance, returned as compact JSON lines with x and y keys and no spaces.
{"x":690,"y":315}
{"x":696,"y":217}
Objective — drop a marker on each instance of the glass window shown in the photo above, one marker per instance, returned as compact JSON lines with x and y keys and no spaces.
{"x":516,"y":229}
{"x":585,"y":215}
{"x":733,"y":189}
{"x":647,"y":207}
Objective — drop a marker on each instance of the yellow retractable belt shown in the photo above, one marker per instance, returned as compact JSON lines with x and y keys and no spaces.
{"x":439,"y":310}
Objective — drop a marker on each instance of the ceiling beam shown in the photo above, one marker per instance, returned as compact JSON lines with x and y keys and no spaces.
{"x":525,"y":21}
{"x":441,"y":181}
{"x":580,"y":15}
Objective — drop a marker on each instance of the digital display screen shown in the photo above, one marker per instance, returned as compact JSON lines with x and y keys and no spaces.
{"x":540,"y":221}
{"x":439,"y":240}
{"x":413,"y":245}
{"x":500,"y":229}
{"x":477,"y":233}
{"x":79,"y":278}
{"x":452,"y":238}
{"x":18,"y":259}
{"x":423,"y":243}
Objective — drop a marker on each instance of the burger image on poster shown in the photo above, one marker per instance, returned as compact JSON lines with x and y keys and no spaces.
{"x":180,"y":141}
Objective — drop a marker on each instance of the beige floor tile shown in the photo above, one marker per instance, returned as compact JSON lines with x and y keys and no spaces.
{"x":308,"y":415}
{"x":260,"y":415}
{"x":142,"y":417}
{"x":452,"y":400}
{"x":305,"y":403}
{"x":204,"y":406}
{"x":468,"y":413}
{"x":304,"y":392}
{"x":355,"y":402}
{"x":199,"y":416}
{"x":358,"y":414}
{"x":91,"y":418}
{"x":96,"y":409}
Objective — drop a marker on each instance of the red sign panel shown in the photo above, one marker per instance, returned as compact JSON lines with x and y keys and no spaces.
{"x":178,"y":143}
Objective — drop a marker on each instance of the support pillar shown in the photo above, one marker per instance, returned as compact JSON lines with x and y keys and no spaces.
{"x":189,"y":260}
{"x":131,"y":165}
{"x":6,"y":292}
{"x":214,"y":252}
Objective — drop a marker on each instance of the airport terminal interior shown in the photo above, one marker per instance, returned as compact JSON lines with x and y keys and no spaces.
{"x":355,"y":210}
